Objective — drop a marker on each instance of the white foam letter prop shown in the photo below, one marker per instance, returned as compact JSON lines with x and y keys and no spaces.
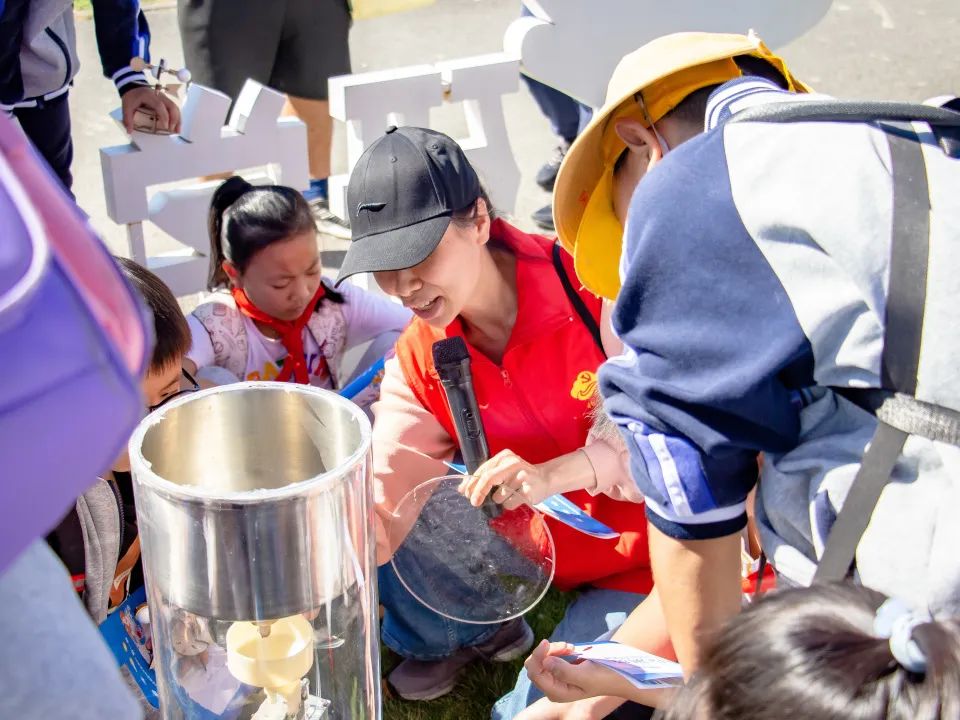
{"x":480,"y":84}
{"x":255,"y":137}
{"x":369,"y":102}
{"x":574,"y":45}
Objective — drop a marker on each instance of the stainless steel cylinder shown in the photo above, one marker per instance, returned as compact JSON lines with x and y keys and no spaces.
{"x":253,"y":499}
{"x":254,"y":503}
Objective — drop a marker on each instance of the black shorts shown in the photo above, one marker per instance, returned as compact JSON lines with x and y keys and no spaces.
{"x":293,"y":46}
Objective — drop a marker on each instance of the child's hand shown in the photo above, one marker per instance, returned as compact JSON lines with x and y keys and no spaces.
{"x":563,"y":681}
{"x":146,"y":98}
{"x":592,"y":709}
{"x":512,"y":480}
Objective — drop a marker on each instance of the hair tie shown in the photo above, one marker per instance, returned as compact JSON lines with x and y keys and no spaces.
{"x":895,"y":621}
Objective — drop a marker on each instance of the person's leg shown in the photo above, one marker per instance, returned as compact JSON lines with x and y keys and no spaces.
{"x":227,"y":41}
{"x":562,"y":111}
{"x":567,"y":118}
{"x":314,"y":48}
{"x":315,"y":114}
{"x":412,"y":630}
{"x":593,"y":614}
{"x":435,"y":648}
{"x":48,"y":127}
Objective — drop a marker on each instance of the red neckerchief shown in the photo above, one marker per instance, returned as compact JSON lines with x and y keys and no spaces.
{"x":291,"y":333}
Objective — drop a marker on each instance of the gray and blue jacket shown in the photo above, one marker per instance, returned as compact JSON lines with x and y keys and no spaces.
{"x":755,"y":268}
{"x":38,"y":52}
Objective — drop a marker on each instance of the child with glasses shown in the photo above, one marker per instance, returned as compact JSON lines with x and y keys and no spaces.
{"x":97,"y":540}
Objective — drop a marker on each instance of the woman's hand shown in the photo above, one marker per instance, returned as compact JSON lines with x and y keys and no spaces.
{"x":511,"y":480}
{"x":564,"y":682}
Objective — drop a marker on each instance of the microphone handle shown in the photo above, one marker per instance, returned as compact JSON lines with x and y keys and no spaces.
{"x":467,"y":423}
{"x":470,"y":434}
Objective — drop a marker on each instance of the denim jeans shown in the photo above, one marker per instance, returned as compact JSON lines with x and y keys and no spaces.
{"x":459,"y":579}
{"x":413,"y":630}
{"x":594,"y":614}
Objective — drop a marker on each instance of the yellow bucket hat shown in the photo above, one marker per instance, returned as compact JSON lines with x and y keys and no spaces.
{"x":663,"y":73}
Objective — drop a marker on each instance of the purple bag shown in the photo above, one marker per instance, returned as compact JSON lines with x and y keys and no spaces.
{"x":73,"y":343}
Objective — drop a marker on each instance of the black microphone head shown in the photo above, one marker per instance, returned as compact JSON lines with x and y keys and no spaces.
{"x":450,"y":351}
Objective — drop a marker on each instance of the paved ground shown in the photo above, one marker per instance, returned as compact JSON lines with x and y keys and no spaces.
{"x":862,"y":48}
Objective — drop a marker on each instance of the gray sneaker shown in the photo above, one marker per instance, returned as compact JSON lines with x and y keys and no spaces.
{"x":423,"y":680}
{"x":547,"y":174}
{"x":429,"y":680}
{"x":511,"y":641}
{"x":328,"y":223}
{"x":544,"y":218}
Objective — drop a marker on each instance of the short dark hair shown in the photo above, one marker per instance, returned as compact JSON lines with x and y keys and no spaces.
{"x":810,"y":653}
{"x":693,"y":108}
{"x":172,"y":334}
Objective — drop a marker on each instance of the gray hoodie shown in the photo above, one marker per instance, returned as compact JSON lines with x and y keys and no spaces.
{"x":100,"y":522}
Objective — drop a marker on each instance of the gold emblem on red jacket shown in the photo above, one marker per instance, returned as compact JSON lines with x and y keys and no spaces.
{"x":584,"y":387}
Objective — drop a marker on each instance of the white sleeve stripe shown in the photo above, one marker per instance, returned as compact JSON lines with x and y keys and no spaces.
{"x":671,"y":478}
{"x":706,"y":518}
{"x":719,"y":99}
{"x":122,"y":71}
{"x":135,"y":78}
{"x":57,"y":93}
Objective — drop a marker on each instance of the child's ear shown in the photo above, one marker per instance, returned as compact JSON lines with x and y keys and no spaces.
{"x":639,"y":138}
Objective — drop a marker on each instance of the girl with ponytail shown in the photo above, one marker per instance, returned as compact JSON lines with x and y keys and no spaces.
{"x":273,"y":316}
{"x":828,"y":652}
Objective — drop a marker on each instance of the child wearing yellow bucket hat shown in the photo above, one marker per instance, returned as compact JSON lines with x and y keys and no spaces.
{"x":648,"y":86}
{"x":781,"y":288}
{"x":656,"y":99}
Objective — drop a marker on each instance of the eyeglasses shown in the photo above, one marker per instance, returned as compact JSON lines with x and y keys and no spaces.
{"x":187,"y":379}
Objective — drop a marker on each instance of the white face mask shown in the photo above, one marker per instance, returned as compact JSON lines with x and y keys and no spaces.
{"x":622,"y":265}
{"x":664,"y":148}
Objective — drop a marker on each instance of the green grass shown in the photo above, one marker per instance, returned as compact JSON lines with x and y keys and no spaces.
{"x":482,"y":683}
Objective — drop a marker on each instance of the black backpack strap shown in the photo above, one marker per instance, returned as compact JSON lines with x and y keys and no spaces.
{"x":855,"y":111}
{"x":906,"y":298}
{"x":581,"y":308}
{"x":945,"y":121}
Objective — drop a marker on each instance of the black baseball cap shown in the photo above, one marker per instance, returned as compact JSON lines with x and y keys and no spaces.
{"x":402,"y":193}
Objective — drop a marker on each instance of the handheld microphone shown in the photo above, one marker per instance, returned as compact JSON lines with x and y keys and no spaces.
{"x":452,"y":360}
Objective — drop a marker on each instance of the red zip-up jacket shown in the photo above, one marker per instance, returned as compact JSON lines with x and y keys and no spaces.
{"x":538,"y":403}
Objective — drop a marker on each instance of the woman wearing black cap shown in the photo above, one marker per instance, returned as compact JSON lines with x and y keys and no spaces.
{"x":423,"y":225}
